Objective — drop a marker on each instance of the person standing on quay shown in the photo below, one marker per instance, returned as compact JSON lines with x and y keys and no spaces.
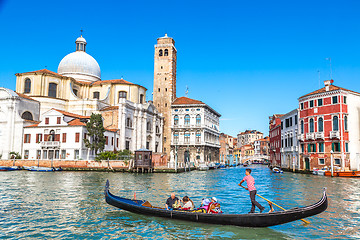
{"x":251,"y":187}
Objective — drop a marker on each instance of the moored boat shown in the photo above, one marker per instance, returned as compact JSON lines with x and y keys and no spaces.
{"x":13,"y":168}
{"x":244,"y":220}
{"x":343,"y":173}
{"x":277,"y":170}
{"x":43,"y":169}
{"x":203,"y":167}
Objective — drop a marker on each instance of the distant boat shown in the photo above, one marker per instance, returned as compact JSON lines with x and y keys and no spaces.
{"x":212,"y":165}
{"x":222,"y":165}
{"x":203,"y":167}
{"x":42,"y":169}
{"x":320,"y":172}
{"x":13,"y":168}
{"x":277,"y":170}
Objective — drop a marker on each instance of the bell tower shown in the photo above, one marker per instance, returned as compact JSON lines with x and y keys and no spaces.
{"x":165,"y":84}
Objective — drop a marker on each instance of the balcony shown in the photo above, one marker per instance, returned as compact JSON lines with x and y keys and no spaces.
{"x":319,"y":135}
{"x":301,"y":137}
{"x":310,"y":136}
{"x":50,"y":144}
{"x":335,"y":134}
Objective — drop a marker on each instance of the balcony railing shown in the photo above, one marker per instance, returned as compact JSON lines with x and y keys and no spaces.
{"x":319,"y":135}
{"x":310,"y":136}
{"x":301,"y":137}
{"x":335,"y":134}
{"x":51,"y":144}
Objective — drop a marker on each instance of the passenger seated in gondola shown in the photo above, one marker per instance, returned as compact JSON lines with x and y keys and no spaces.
{"x":205,"y":204}
{"x":188,"y":203}
{"x":214,"y":206}
{"x":172,"y":202}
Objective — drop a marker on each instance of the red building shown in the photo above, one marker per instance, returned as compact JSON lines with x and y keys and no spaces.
{"x":275,"y":139}
{"x":324,"y":117}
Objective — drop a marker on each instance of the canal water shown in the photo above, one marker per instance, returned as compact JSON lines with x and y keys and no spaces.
{"x":70,"y":205}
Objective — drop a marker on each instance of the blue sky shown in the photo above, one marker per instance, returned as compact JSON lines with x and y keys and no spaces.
{"x":246,"y":59}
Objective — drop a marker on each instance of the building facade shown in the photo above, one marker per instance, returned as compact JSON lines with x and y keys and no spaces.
{"x":195,"y":132}
{"x":289,"y":140}
{"x":248,"y":137}
{"x":275,"y":139}
{"x":227,"y":146}
{"x":329,"y":120}
{"x":262,"y":147}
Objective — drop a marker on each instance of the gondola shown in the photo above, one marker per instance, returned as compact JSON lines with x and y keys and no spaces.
{"x":243,"y":220}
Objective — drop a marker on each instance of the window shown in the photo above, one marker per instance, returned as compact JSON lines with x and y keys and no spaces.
{"x":311,"y":125}
{"x":75,"y":91}
{"x":335,"y":123}
{"x":112,"y":141}
{"x":45,"y":154}
{"x":320,"y":102}
{"x":301,"y":106}
{"x":187,"y":110}
{"x":321,"y":147}
{"x":26,"y":154}
{"x":311,"y":103}
{"x":160,"y":53}
{"x":38,"y":154}
{"x":290,"y":121}
{"x":57,"y":152}
{"x":334,"y":99}
{"x":141,"y":98}
{"x":51,"y":136}
{"x":96,"y":95}
{"x":64,"y":137}
{"x":198,"y":137}
{"x":85,"y":135}
{"x":321,"y":161}
{"x":282,"y":125}
{"x":320,"y":125}
{"x":27,"y":116}
{"x":106,"y":140}
{"x":27,"y":138}
{"x":176,"y":137}
{"x":63,"y":154}
{"x":127,"y":145}
{"x":346,"y":147}
{"x":148,"y":126}
{"x":147,"y":145}
{"x":165,"y":104}
{"x":166,"y":52}
{"x":157,"y":129}
{"x":52,"y":90}
{"x":344,"y":99}
{"x":187,"y":137}
{"x":47,"y":120}
{"x":295,"y":119}
{"x":337,"y":161}
{"x":311,"y":147}
{"x":38,"y":137}
{"x":346,"y":123}
{"x":27,"y":86}
{"x":77,"y":137}
{"x":76,"y":154}
{"x":198,"y":119}
{"x":122,"y":94}
{"x":128,"y":122}
{"x":58,"y":120}
{"x":336,"y":146}
{"x":302,"y":148}
{"x":187,"y":120}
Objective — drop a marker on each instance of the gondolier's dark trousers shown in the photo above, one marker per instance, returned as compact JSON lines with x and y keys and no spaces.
{"x":254,"y":202}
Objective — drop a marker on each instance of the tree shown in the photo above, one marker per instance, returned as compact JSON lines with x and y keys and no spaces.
{"x":96,"y":131}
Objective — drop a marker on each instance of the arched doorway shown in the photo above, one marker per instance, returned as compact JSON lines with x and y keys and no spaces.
{"x":186,"y":157}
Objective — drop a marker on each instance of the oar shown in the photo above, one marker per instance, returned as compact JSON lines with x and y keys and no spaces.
{"x":305,"y":221}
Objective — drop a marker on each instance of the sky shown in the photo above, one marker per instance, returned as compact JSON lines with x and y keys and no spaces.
{"x":247,"y":60}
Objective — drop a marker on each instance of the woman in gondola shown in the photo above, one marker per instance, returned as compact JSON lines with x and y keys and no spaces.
{"x":188,"y":203}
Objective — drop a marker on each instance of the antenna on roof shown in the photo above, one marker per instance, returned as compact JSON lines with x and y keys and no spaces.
{"x":81,"y":31}
{"x":186,"y":91}
{"x":330,"y":67}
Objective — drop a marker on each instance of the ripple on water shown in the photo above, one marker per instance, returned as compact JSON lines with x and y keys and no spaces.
{"x":70,"y":205}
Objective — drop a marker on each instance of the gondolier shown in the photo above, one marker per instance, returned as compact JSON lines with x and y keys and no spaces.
{"x":250,"y":181}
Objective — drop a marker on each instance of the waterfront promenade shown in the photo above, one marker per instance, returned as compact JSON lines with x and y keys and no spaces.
{"x":65,"y":205}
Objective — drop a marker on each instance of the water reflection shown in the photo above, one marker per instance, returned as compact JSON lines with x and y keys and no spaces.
{"x":66,"y":205}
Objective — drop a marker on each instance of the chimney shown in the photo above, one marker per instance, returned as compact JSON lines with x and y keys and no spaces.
{"x":327,"y":84}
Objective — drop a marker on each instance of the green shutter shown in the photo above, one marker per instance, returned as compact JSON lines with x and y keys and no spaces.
{"x":333,"y":147}
{"x":309,"y":148}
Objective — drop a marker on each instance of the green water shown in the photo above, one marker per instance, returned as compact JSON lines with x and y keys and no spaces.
{"x":70,"y":205}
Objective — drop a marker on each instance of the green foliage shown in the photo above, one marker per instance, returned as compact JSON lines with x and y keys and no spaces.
{"x":96,"y":131}
{"x":106,"y":155}
{"x":15,"y":155}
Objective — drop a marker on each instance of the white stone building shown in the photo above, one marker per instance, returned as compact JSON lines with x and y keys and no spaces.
{"x":195,"y":132}
{"x":60,"y":135}
{"x":16,"y":112}
{"x":248,"y":137}
{"x":289,"y":140}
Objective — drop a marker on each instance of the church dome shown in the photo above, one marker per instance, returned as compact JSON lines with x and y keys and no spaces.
{"x":79,"y":64}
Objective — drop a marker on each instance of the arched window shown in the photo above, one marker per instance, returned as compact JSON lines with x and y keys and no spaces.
{"x":176,"y":120}
{"x":176,"y":137}
{"x":187,"y":120}
{"x":302,"y":126}
{"x":311,"y":125}
{"x":96,"y":95}
{"x":51,"y":136}
{"x":166,"y":53}
{"x":187,"y":137}
{"x":345,"y":123}
{"x":141,"y":98}
{"x":320,"y":125}
{"x":335,"y":123}
{"x":160,"y":52}
{"x":128,"y":122}
{"x":27,"y":116}
{"x":198,"y":119}
{"x":27,"y":86}
{"x":157,"y":129}
{"x":122,"y":94}
{"x":148,"y":126}
{"x":52,"y":90}
{"x":198,"y":137}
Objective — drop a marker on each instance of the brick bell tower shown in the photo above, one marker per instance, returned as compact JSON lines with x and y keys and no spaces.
{"x":165,"y":84}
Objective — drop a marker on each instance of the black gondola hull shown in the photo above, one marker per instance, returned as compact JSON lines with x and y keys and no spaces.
{"x":244,"y":220}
